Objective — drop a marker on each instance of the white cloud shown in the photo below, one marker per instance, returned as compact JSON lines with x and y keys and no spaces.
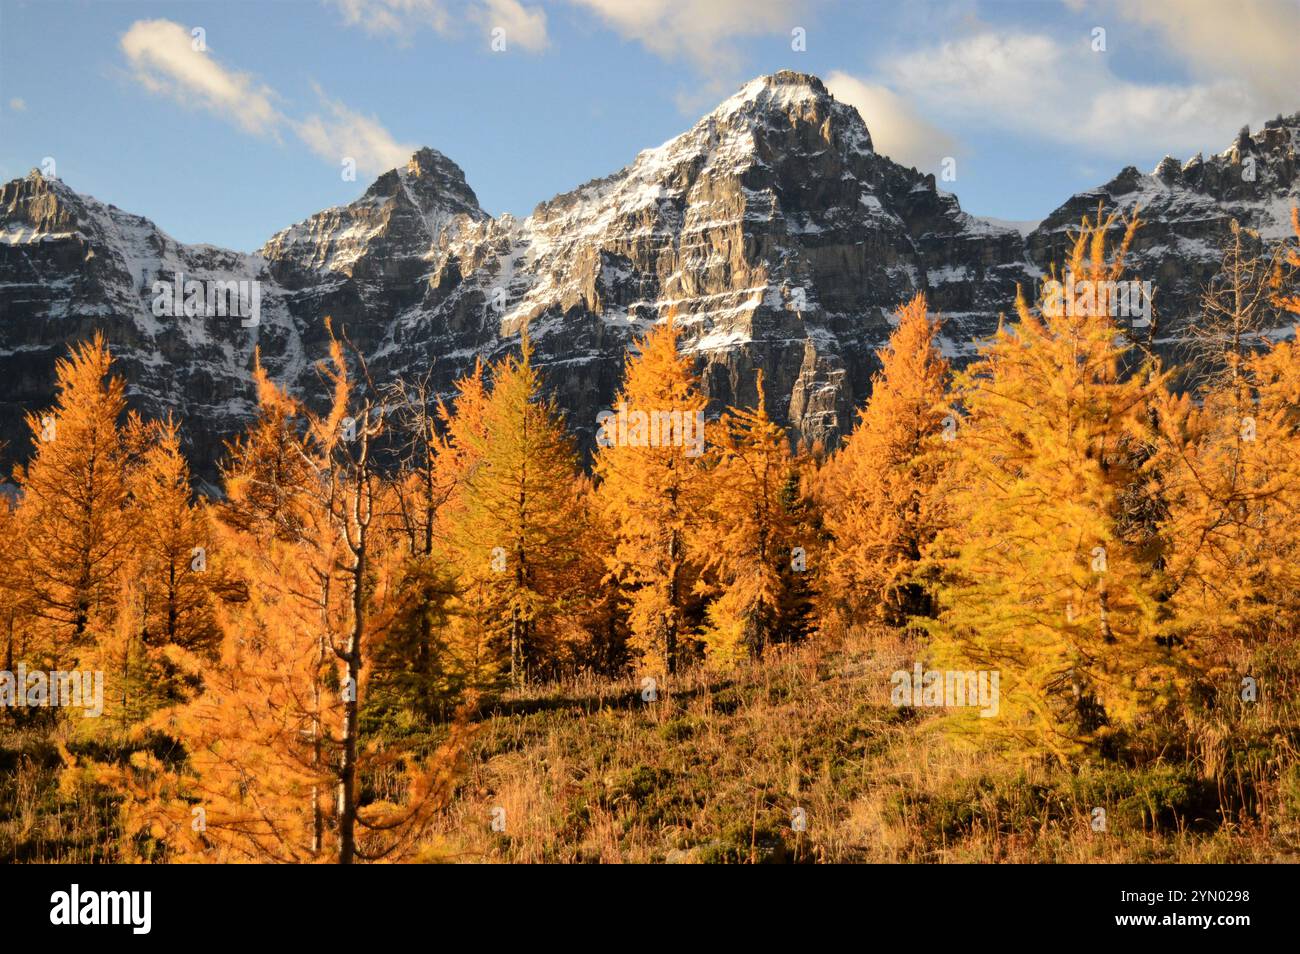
{"x":525,"y":26}
{"x":18,"y":105}
{"x":348,"y":133}
{"x":1238,"y":61}
{"x":396,"y":16}
{"x":700,"y":32}
{"x":1253,"y":41}
{"x":1040,"y":87}
{"x":896,"y":128}
{"x":165,"y":62}
{"x":163,"y":57}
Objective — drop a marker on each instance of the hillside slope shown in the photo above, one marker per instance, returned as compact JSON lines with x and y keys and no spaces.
{"x":719,"y":770}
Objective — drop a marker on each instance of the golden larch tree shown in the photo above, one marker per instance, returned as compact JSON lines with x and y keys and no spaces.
{"x":881,"y":506}
{"x":652,"y":488}
{"x":750,"y":537}
{"x":74,"y":494}
{"x":276,"y":767}
{"x":1041,"y":579}
{"x":520,"y":526}
{"x":1230,"y":465}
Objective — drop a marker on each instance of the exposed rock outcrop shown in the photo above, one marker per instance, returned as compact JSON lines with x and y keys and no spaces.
{"x":772,"y":230}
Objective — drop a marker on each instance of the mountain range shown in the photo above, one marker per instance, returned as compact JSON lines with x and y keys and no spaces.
{"x":772,"y":229}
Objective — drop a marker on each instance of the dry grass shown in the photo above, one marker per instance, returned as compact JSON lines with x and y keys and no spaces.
{"x":714,"y":770}
{"x":36,"y":824}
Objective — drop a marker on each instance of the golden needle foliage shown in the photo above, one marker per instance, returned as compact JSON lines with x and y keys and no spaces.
{"x":878,"y":494}
{"x":292,"y":669}
{"x":653,"y":492}
{"x":1043,"y":574}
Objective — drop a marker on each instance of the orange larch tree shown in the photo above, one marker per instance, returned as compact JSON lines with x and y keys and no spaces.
{"x":879,"y":494}
{"x":1042,"y":578}
{"x":520,"y":526}
{"x":73,"y":509}
{"x":276,"y":763}
{"x":750,"y":537}
{"x":651,"y":485}
{"x":1231,"y":469}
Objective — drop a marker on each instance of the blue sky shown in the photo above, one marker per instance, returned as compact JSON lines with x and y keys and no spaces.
{"x":231,"y":142}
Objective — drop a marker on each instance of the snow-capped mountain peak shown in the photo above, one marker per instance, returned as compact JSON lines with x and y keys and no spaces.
{"x":770,"y":228}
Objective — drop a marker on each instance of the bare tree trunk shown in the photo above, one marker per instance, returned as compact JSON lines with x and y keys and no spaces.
{"x":1103,"y":615}
{"x":317,"y":815}
{"x":348,"y":770}
{"x":670,"y":636}
{"x":355,"y":525}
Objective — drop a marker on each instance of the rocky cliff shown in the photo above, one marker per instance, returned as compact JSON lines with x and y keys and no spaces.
{"x":1187,"y":209}
{"x":772,"y":229}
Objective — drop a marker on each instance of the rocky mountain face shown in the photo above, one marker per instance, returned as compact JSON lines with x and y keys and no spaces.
{"x":1187,"y":209}
{"x":71,"y":266}
{"x":772,"y":230}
